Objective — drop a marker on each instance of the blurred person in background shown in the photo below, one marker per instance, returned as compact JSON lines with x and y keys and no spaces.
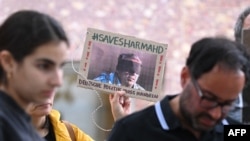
{"x":242,"y":22}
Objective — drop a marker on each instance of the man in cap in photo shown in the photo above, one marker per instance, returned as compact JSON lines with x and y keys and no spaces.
{"x":127,"y":72}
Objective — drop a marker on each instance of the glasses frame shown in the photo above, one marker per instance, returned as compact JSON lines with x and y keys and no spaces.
{"x":225,"y":107}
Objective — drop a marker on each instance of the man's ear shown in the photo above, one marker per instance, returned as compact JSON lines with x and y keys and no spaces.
{"x":7,"y":61}
{"x":185,"y":76}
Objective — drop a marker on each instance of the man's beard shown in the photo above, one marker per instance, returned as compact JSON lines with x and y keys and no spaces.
{"x":191,"y":119}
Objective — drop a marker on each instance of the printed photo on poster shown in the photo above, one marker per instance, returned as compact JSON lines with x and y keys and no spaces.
{"x":112,"y":62}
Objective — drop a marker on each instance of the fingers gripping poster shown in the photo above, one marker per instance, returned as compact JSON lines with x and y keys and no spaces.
{"x":112,"y":62}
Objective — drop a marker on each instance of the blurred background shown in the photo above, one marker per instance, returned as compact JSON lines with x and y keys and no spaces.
{"x":178,"y":23}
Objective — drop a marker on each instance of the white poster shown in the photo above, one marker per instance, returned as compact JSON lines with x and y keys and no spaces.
{"x":112,"y":62}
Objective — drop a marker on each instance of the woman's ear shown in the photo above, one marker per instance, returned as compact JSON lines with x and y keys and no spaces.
{"x":185,"y":76}
{"x":7,"y":61}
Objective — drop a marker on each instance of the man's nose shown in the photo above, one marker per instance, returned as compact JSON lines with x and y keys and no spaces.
{"x":216,"y":112}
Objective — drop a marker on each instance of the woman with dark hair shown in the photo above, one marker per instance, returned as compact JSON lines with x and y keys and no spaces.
{"x":33,"y":50}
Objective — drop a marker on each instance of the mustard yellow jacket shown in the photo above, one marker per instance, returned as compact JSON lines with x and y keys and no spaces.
{"x":61,"y":131}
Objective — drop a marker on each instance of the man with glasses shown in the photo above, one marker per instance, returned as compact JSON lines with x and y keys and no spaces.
{"x":215,"y":73}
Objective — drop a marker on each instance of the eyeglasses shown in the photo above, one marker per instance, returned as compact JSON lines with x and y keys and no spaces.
{"x":208,"y":101}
